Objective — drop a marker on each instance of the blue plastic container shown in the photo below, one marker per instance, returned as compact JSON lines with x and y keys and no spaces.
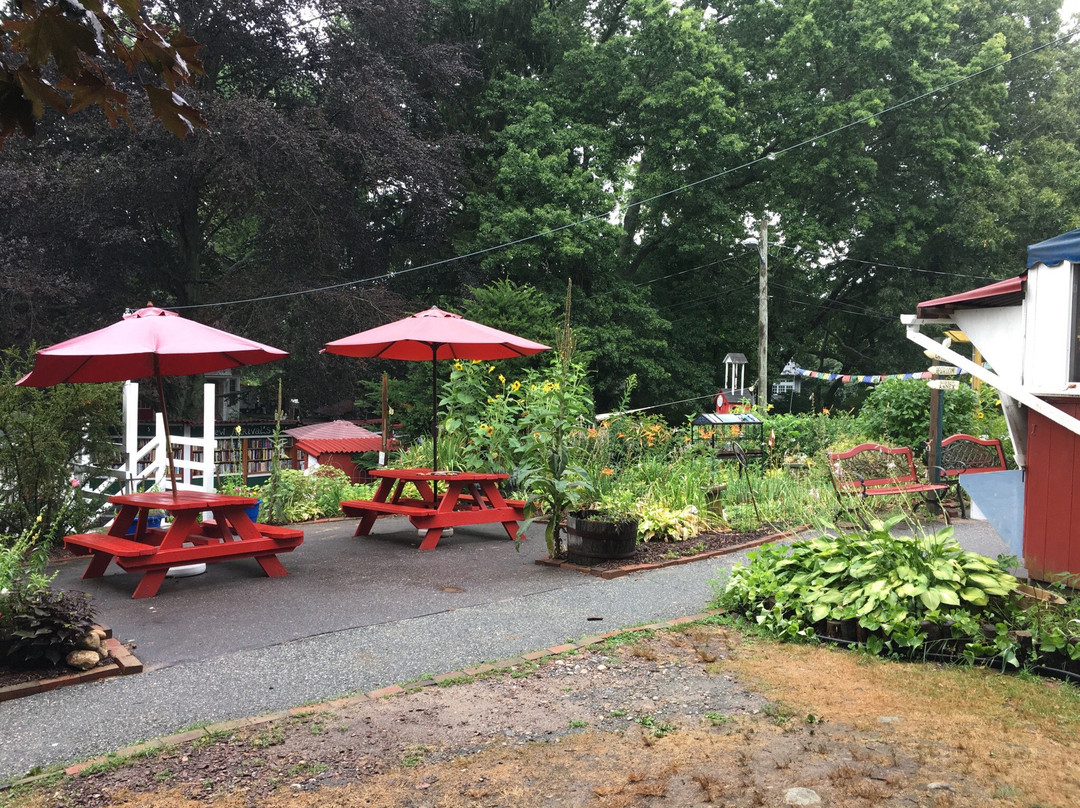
{"x":151,"y":522}
{"x":253,"y":511}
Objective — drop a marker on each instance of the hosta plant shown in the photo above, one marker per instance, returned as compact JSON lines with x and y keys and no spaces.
{"x":895,"y":587}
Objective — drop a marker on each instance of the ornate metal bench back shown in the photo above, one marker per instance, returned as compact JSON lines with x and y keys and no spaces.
{"x":872,"y":464}
{"x":964,"y":453}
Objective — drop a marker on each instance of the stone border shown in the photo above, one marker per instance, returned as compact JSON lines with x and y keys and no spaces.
{"x":618,"y":572}
{"x":124,"y":664}
{"x":384,"y":692}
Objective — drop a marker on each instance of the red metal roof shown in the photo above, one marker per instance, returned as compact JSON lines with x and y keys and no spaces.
{"x":331,"y":430}
{"x":320,"y":446}
{"x":1009,"y":292}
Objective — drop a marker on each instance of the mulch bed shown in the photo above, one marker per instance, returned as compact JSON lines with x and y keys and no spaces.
{"x":653,"y":554}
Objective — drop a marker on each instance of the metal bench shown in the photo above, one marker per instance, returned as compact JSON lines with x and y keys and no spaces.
{"x":873,"y":470}
{"x":966,"y":454}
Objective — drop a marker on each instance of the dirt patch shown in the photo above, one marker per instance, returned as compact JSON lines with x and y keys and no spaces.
{"x":691,"y":717}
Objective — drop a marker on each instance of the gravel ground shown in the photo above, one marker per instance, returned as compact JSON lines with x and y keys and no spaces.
{"x":418,"y":638}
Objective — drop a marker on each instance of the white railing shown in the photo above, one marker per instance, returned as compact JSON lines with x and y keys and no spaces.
{"x":148,"y":465}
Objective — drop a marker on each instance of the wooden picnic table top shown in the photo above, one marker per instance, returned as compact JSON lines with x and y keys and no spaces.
{"x":181,"y":500}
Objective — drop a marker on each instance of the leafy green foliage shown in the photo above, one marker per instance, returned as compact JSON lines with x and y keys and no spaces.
{"x":893,"y":586}
{"x":300,"y":497}
{"x":43,"y":433}
{"x":897,"y":412}
{"x":39,"y":624}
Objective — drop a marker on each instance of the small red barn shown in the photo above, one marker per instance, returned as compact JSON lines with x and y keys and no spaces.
{"x":335,"y":443}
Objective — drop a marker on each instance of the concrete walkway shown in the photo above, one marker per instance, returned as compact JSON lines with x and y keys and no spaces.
{"x":352,"y":615}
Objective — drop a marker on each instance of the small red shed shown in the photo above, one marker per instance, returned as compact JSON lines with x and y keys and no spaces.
{"x":335,"y":443}
{"x":1028,"y":330}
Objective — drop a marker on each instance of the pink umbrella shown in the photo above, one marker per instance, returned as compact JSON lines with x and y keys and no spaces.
{"x":148,"y":342}
{"x":432,"y":335}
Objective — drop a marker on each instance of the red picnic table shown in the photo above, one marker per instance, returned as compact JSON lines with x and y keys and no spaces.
{"x":471,"y":498}
{"x":152,"y":551}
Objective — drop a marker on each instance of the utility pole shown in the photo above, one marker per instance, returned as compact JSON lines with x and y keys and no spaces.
{"x":763,"y":312}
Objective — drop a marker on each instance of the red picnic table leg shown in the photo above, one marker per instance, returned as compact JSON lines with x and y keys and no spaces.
{"x":383,"y":494}
{"x":495,"y":497}
{"x":149,"y":584}
{"x":272,"y":566}
{"x":98,"y":564}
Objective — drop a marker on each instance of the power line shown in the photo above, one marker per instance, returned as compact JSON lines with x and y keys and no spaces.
{"x":711,"y":178}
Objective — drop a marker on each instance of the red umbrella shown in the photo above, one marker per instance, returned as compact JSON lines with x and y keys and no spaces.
{"x":148,"y":342}
{"x":432,"y":335}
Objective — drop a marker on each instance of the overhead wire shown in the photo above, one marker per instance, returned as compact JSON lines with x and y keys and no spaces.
{"x":686,"y":186}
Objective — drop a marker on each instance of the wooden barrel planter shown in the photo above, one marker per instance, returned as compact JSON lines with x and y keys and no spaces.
{"x":590,"y":537}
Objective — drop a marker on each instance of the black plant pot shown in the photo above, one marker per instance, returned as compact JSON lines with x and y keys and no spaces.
{"x":590,"y":537}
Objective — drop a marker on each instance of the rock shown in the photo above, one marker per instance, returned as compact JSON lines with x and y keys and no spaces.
{"x":802,"y":796}
{"x":89,"y":642}
{"x":99,"y":633}
{"x":889,"y":719}
{"x":82,"y":660}
{"x":940,"y":786}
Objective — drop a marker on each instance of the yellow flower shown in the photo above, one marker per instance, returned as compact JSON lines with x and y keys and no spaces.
{"x":459,"y":366}
{"x":980,"y":414}
{"x":515,"y":386}
{"x":491,"y":368}
{"x":39,"y":517}
{"x":477,"y":361}
{"x":502,"y":379}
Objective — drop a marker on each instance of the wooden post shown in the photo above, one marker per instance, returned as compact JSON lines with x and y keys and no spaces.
{"x":385,"y":419}
{"x":937,"y":412}
{"x":763,"y":313}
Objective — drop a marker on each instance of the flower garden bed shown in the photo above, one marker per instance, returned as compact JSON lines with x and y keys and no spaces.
{"x":657,"y":554}
{"x":16,"y":683}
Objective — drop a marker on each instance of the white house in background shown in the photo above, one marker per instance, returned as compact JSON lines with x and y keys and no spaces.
{"x":1028,"y":329}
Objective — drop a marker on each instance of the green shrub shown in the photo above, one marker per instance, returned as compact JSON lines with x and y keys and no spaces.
{"x":43,"y":433}
{"x":809,"y":435}
{"x":897,"y":412}
{"x":40,"y":625}
{"x":895,"y":587}
{"x":298,"y":497}
{"x":37,"y":624}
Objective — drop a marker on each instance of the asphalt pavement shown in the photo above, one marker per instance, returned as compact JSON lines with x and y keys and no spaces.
{"x":354,"y":614}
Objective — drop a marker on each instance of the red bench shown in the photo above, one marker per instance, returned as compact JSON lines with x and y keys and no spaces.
{"x":873,"y":470}
{"x":87,"y":543}
{"x":210,"y":530}
{"x":965,"y":454}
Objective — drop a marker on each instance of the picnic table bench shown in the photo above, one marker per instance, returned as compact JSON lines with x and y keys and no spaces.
{"x":966,"y":454}
{"x":873,"y":470}
{"x":153,"y":551}
{"x":470,"y":499}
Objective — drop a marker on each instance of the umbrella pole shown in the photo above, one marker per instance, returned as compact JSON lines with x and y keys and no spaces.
{"x":165,"y":418}
{"x":434,"y":410}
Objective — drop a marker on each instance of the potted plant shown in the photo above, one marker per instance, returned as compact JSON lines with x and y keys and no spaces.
{"x":607,"y":530}
{"x":234,"y":486}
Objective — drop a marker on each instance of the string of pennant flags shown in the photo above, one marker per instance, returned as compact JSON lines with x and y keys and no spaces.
{"x":844,"y":377}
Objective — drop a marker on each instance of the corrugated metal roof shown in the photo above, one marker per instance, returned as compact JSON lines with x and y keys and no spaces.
{"x":321,"y":446}
{"x":1009,"y":292}
{"x":331,"y":430}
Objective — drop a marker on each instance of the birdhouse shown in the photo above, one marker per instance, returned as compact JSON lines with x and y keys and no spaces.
{"x":734,"y":392}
